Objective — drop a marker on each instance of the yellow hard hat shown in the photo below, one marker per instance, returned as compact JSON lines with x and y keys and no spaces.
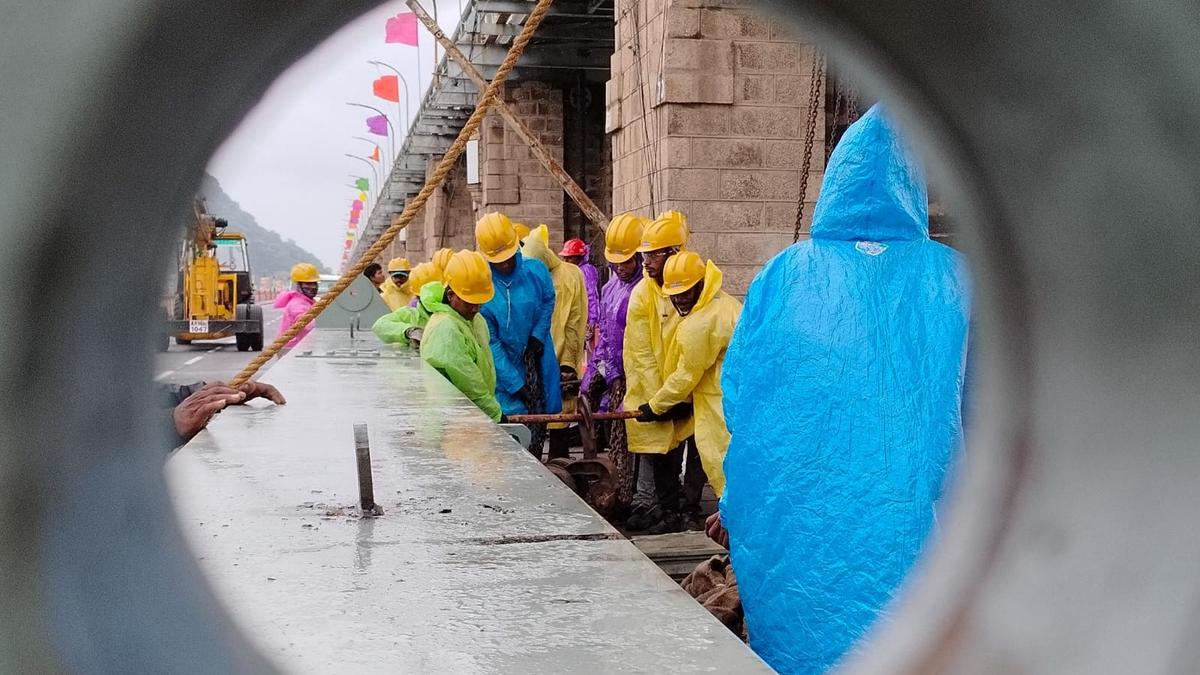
{"x":668,"y":230}
{"x":522,"y":230}
{"x":421,"y":275}
{"x":496,"y":237}
{"x":468,"y":275}
{"x":682,"y":271}
{"x":305,"y":273}
{"x":441,"y":258}
{"x":399,"y":265}
{"x":623,"y":237}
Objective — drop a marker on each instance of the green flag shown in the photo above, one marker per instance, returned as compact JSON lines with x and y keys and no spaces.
{"x":362,"y":184}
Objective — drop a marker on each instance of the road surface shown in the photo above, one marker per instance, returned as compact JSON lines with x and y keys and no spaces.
{"x":210,"y":360}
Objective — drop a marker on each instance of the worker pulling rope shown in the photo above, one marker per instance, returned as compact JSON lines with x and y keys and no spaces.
{"x":399,"y":223}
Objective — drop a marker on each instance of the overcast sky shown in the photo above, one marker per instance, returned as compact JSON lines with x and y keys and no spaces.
{"x":285,"y":163}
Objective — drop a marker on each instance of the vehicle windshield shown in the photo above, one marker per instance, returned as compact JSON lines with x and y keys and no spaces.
{"x":231,"y":255}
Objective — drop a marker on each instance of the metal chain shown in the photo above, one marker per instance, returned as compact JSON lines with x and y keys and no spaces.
{"x":810,"y":135}
{"x":444,"y":167}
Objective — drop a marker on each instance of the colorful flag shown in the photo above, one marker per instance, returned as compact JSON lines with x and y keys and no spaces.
{"x":378,"y":125}
{"x":362,"y":184}
{"x":387,"y":88}
{"x":356,"y":206}
{"x":362,"y":197}
{"x":354,"y":218}
{"x":402,"y":29}
{"x":349,"y":244}
{"x":375,"y":154}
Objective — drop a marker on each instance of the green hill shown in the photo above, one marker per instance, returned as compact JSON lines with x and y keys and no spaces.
{"x":270,"y":254}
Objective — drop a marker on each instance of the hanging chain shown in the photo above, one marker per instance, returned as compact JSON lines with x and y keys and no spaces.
{"x":810,"y":135}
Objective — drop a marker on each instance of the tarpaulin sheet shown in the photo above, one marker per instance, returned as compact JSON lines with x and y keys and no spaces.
{"x":842,"y":388}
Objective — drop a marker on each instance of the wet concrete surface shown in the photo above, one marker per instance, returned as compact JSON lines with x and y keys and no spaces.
{"x":482,"y":563}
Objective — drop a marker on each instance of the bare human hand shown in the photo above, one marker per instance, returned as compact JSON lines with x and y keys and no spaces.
{"x":715,"y":530}
{"x":194,"y":413}
{"x":254,"y":390}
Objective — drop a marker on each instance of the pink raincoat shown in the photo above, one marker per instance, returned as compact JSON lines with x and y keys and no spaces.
{"x":293,"y":304}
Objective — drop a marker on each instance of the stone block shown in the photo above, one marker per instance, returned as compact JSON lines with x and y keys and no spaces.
{"x":756,"y":122}
{"x":736,"y":279}
{"x":750,"y":248}
{"x":727,"y":153}
{"x":781,"y":216}
{"x":698,"y":120}
{"x":783,"y":31}
{"x":675,"y":151}
{"x":683,"y":22}
{"x":493,"y":151}
{"x":501,"y":196}
{"x":704,"y":243}
{"x":754,"y":89}
{"x":759,"y":184}
{"x":697,"y":88}
{"x":768,"y":57}
{"x":612,"y":109}
{"x":499,"y":166}
{"x":708,"y":56}
{"x":692,"y":183}
{"x":529,"y":167}
{"x":726,"y":216}
{"x":507,"y":181}
{"x":725,"y":24}
{"x":790,"y":155}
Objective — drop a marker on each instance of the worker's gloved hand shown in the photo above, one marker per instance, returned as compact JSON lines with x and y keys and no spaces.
{"x":647,"y":414}
{"x":567,"y":373}
{"x":596,"y":387}
{"x":524,"y":394}
{"x":254,"y":390}
{"x":535,"y":347}
{"x":194,"y":413}
{"x":414,"y":335}
{"x":678,"y":412}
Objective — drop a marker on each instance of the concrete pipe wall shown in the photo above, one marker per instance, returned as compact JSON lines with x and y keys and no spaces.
{"x":1067,"y":133}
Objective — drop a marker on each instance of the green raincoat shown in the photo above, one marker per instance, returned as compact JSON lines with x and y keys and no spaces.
{"x":390,"y":328}
{"x":459,"y":351}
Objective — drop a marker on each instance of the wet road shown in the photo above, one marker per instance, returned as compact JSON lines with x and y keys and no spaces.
{"x":211,"y":360}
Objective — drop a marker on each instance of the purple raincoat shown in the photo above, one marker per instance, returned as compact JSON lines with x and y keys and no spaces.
{"x":613,"y":306}
{"x":591,"y":279}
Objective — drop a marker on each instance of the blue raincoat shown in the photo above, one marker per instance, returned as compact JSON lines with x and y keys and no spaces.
{"x":522,"y":307}
{"x":842,"y":390}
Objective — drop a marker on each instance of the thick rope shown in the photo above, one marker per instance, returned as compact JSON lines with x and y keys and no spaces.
{"x":400,"y":222}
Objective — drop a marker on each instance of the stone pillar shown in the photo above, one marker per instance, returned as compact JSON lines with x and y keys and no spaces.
{"x":711,"y":123}
{"x":514,"y":182}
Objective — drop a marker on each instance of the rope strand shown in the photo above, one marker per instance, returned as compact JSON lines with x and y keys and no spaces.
{"x":400,"y":222}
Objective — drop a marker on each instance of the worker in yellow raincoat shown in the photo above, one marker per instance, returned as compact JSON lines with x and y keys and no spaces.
{"x":456,"y":338}
{"x":649,"y":322}
{"x":568,"y":324}
{"x":695,"y":352}
{"x":395,"y":290}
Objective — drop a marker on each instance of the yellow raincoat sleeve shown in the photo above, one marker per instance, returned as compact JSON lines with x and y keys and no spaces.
{"x":454,"y":352}
{"x":575,"y":326}
{"x":700,"y":344}
{"x":641,"y":366}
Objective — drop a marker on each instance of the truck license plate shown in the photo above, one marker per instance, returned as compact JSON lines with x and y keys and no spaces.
{"x":198,"y":326}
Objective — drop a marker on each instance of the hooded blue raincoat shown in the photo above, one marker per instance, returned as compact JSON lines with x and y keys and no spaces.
{"x":842,"y":390}
{"x":521,"y":308}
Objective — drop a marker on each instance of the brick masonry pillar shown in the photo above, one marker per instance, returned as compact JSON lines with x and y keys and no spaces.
{"x":711,"y":123}
{"x":513,"y":181}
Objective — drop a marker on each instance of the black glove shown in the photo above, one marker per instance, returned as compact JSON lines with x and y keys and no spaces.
{"x":535,"y":347}
{"x":648,"y":414}
{"x":524,"y":394}
{"x":503,"y":419}
{"x":679,"y":411}
{"x":597,"y":387}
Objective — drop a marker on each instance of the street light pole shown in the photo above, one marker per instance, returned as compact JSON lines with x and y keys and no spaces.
{"x":407,"y":91}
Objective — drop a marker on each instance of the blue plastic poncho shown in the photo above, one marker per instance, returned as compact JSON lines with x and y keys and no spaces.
{"x":842,"y":388}
{"x":522,"y":307}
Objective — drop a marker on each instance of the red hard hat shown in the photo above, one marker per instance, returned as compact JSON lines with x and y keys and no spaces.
{"x":573,"y":247}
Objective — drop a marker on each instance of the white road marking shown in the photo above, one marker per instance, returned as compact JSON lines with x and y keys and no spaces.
{"x":163,"y":376}
{"x":216,"y":349}
{"x":193,"y":360}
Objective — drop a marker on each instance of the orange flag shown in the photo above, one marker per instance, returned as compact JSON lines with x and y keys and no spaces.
{"x":375,"y":155}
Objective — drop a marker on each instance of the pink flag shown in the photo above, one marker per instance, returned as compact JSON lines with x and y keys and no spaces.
{"x":356,"y":206}
{"x":378,"y":125}
{"x":402,"y":29}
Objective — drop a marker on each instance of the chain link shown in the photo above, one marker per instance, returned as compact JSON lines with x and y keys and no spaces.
{"x":816,"y":77}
